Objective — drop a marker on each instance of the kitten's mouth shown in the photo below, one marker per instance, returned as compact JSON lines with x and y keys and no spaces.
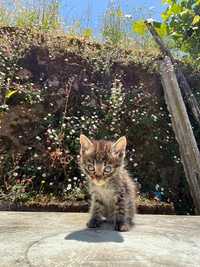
{"x":99,"y":183}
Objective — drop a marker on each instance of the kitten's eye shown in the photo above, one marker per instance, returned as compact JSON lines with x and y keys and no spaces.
{"x":90,"y":167}
{"x":108,"y":169}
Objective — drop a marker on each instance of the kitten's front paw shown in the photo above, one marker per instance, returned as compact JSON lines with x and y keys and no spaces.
{"x":94,"y":223}
{"x":122,"y":227}
{"x":131,"y":221}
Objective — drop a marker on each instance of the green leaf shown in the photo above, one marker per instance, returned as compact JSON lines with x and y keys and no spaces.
{"x":164,"y":16}
{"x":139,"y":27}
{"x":196,"y":20}
{"x":119,"y":13}
{"x":87,"y":33}
{"x":185,"y":12}
{"x":162,"y":29}
{"x":167,"y":1}
{"x":10,"y":93}
{"x":176,"y":9}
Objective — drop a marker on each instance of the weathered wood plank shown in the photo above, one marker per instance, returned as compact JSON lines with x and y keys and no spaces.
{"x":183,"y":131}
{"x":184,"y":86}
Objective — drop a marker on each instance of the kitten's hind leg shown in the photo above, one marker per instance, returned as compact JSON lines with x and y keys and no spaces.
{"x":97,"y":210}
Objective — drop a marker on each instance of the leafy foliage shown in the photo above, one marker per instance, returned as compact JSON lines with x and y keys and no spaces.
{"x":183,"y":22}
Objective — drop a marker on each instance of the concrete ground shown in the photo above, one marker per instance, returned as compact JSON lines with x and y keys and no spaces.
{"x":61,"y":240}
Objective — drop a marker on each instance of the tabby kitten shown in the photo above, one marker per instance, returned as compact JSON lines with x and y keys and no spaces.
{"x":112,"y":190}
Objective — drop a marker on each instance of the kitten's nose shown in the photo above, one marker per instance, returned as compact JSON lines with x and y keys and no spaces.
{"x":98,"y":171}
{"x":98,"y":177}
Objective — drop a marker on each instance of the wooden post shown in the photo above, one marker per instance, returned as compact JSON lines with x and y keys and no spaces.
{"x":189,"y":152}
{"x":184,"y":86}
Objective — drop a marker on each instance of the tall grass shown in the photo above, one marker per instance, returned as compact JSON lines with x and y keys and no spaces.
{"x":113,"y":24}
{"x":42,"y":14}
{"x":45,"y":15}
{"x":118,"y":27}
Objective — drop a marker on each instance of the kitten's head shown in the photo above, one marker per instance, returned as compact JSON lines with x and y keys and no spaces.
{"x":100,"y":160}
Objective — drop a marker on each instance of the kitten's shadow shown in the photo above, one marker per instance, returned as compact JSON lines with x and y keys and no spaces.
{"x":98,"y":235}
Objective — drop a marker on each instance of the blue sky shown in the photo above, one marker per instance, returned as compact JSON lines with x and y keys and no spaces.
{"x":90,"y":12}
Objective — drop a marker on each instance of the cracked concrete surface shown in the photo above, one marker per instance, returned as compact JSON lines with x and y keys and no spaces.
{"x":61,"y":240}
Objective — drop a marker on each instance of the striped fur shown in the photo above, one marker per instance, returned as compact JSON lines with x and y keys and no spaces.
{"x":113,"y":191}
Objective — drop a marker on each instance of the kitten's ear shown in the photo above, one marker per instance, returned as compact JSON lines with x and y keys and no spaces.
{"x":85,"y":142}
{"x":119,"y":146}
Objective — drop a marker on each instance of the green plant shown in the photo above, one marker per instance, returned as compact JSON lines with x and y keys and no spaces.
{"x":28,"y":14}
{"x":183,"y":22}
{"x":114,"y":24}
{"x":4,"y":17}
